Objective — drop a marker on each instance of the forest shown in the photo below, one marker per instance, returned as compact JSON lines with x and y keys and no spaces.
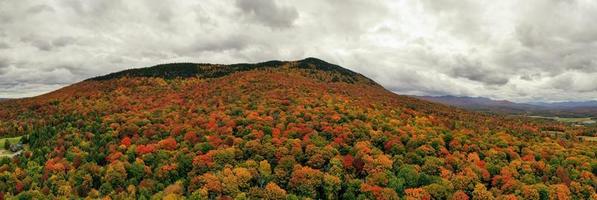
{"x":278,"y":130}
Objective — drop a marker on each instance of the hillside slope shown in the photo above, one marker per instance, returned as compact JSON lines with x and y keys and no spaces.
{"x":277,"y":130}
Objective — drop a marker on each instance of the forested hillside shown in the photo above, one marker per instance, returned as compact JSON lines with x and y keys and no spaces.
{"x":278,"y":130}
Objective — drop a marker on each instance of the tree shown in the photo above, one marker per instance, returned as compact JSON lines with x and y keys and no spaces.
{"x":529,"y":192}
{"x":410,"y":175}
{"x":377,"y":192}
{"x":560,"y":192}
{"x":331,"y":186}
{"x":191,"y":137}
{"x":305,"y":181}
{"x":175,"y":189}
{"x":7,"y":144}
{"x":459,"y":195}
{"x":168,"y":143}
{"x":145,"y":149}
{"x":432,"y":165}
{"x":211,"y":183}
{"x":115,"y":175}
{"x":441,"y":190}
{"x":126,"y":141}
{"x":416,"y":194}
{"x":274,"y":192}
{"x":481,"y":193}
{"x":265,"y":172}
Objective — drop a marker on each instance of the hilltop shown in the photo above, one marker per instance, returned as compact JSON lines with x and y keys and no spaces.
{"x":278,"y":130}
{"x":203,"y":70}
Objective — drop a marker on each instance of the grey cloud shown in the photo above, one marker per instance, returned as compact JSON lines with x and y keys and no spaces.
{"x":51,"y":76}
{"x":269,"y":12}
{"x":421,"y":83}
{"x":231,"y":43}
{"x":44,"y":44}
{"x":37,"y":42}
{"x":4,"y":64}
{"x":95,"y":8}
{"x":528,"y":35}
{"x":570,"y":82}
{"x":562,"y":83}
{"x":71,"y":69}
{"x":227,"y":43}
{"x":40,"y":8}
{"x":506,"y":49}
{"x":4,"y":45}
{"x":530,"y":77}
{"x":476,"y":71}
{"x":63,"y":41}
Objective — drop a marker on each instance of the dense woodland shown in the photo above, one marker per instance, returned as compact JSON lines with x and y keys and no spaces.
{"x":291,"y":130}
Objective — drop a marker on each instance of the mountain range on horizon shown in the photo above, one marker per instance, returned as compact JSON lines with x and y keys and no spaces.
{"x":561,"y":109}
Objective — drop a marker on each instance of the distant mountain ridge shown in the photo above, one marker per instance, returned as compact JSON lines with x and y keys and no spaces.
{"x":561,"y":109}
{"x":566,"y":104}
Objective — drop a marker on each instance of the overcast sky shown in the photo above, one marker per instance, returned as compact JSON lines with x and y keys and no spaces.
{"x":509,"y":49}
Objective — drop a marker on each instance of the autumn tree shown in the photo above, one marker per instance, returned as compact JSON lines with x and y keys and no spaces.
{"x":305,"y":181}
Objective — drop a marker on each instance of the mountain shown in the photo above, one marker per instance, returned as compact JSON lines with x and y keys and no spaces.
{"x":559,"y":109}
{"x":566,"y":104}
{"x":480,"y":103}
{"x":278,"y":130}
{"x":186,"y":70}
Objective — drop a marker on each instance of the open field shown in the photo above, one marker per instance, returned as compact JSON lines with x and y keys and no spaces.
{"x":568,"y":120}
{"x":6,"y":153}
{"x":12,"y":140}
{"x":587,"y":138}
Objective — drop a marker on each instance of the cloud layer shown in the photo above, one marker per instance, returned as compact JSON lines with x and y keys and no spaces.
{"x":522,"y":51}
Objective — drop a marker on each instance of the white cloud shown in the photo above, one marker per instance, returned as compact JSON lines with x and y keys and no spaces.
{"x":522,"y":51}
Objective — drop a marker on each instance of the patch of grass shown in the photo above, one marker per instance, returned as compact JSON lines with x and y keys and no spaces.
{"x":4,"y":153}
{"x":570,"y":120}
{"x":12,"y":140}
{"x":565,"y":119}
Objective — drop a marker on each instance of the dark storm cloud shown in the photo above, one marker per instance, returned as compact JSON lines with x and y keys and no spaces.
{"x":522,"y":51}
{"x":268,"y":12}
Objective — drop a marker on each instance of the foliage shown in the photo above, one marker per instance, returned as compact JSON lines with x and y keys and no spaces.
{"x":295,"y":130}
